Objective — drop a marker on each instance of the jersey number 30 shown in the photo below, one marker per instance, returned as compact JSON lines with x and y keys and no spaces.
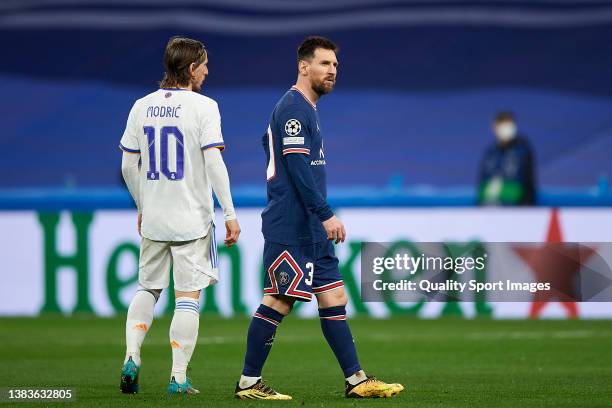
{"x":166,"y":131}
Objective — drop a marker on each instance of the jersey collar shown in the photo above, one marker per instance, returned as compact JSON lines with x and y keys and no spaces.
{"x":293,"y":88}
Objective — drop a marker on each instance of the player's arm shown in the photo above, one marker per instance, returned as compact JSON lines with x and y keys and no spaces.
{"x":296,"y":149}
{"x":299,"y":171}
{"x":130,"y":159}
{"x":131,"y":175}
{"x":212,"y":144}
{"x":219,"y":180}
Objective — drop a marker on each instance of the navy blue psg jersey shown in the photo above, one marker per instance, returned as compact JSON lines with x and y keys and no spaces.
{"x":297,"y":194}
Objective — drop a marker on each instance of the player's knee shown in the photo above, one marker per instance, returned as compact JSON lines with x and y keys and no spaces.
{"x":282,"y":304}
{"x":193,"y":295}
{"x":283,"y":308}
{"x":334,"y":298}
{"x":340,"y":299}
{"x":156,"y":293}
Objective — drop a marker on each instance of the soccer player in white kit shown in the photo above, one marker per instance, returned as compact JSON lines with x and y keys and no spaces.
{"x":171,"y":163}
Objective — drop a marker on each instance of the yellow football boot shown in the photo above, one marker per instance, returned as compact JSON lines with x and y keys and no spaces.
{"x":372,"y":388}
{"x":261,"y":391}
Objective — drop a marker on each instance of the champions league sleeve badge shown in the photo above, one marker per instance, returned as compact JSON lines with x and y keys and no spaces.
{"x":293,"y":127}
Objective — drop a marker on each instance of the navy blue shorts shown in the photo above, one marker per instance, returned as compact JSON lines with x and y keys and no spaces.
{"x":300,"y":271}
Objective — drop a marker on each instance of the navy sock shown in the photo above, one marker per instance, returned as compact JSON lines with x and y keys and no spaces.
{"x":338,"y":335}
{"x":260,"y":339}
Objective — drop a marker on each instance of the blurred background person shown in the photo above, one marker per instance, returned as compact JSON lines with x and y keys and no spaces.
{"x":507,"y":169}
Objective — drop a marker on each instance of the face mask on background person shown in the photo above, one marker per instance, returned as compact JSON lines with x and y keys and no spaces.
{"x":505,"y":131}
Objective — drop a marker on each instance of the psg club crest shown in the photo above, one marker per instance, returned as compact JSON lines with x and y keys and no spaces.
{"x":293,"y":127}
{"x":283,"y":278}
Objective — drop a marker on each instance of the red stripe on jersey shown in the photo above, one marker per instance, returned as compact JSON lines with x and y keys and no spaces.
{"x":292,"y":290}
{"x":296,"y":150}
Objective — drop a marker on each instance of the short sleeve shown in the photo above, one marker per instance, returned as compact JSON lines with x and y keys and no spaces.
{"x":295,"y":131}
{"x":211,"y":135}
{"x":129,"y":140}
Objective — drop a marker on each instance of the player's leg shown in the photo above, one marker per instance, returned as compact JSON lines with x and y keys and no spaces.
{"x":265,"y":321}
{"x":139,"y":321}
{"x":137,"y":325}
{"x":183,"y":337}
{"x":284,"y":283}
{"x":331,"y":297}
{"x":195,"y":268}
{"x":153,"y":276}
{"x":332,"y":312}
{"x":260,"y":337}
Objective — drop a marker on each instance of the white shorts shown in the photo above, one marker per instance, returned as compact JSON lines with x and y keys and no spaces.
{"x":194,"y":263}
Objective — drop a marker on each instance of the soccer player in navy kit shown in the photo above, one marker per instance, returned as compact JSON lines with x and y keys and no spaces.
{"x":299,"y":227}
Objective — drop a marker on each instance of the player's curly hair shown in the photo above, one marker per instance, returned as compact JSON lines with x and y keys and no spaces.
{"x":307,"y":48}
{"x":180,"y":53}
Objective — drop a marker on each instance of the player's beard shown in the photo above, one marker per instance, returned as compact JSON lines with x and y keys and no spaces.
{"x":323,"y":87}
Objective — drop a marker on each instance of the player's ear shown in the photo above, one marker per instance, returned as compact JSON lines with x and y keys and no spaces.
{"x":303,"y":67}
{"x":192,"y":69}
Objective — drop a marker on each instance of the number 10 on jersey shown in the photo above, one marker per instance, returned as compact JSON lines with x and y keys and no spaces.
{"x":166,"y":131}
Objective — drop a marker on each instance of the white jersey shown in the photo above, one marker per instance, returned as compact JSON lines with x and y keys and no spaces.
{"x":170,"y":128}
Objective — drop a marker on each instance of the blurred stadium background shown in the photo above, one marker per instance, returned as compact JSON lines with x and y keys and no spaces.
{"x":419,"y":83}
{"x":406,"y":127}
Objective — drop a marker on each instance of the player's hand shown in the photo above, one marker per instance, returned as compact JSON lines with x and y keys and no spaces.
{"x":232,"y":232}
{"x":335,"y":229}
{"x":139,"y":223}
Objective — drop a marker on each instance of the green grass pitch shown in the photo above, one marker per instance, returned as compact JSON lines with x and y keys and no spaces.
{"x":442,"y":363}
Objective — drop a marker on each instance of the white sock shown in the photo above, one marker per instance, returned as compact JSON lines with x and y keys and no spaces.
{"x":183,"y":335}
{"x":139,"y":320}
{"x":356,"y":378}
{"x":246,"y":381}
